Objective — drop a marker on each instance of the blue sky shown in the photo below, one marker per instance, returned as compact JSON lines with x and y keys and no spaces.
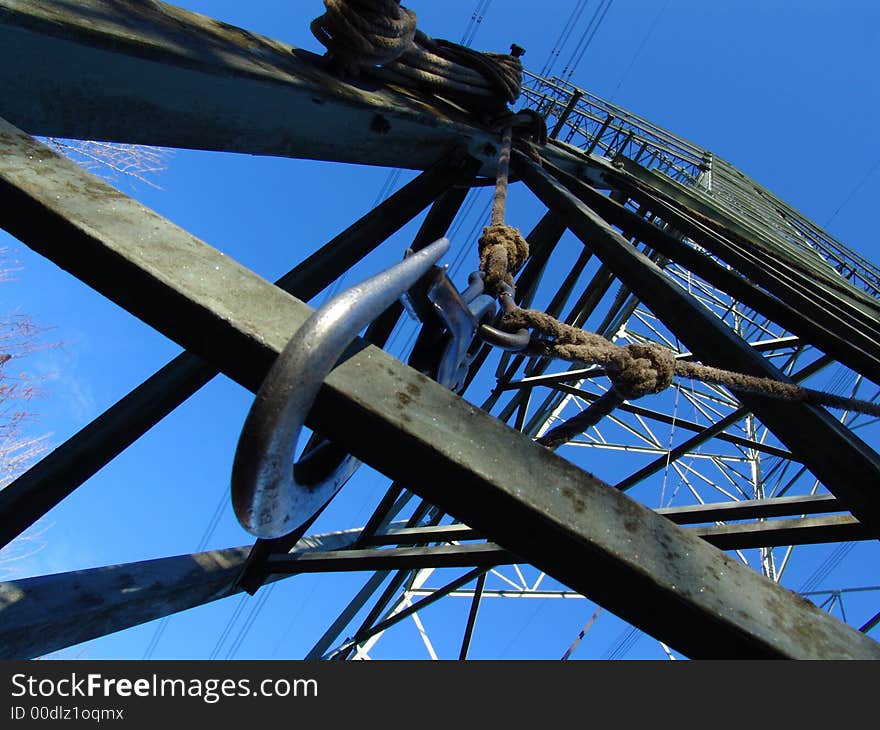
{"x":786,"y":91}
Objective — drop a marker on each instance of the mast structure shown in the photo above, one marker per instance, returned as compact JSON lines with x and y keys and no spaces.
{"x":679,"y":513}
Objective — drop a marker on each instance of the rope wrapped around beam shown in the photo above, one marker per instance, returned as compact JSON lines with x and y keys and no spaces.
{"x":360,"y":34}
{"x":380,"y":37}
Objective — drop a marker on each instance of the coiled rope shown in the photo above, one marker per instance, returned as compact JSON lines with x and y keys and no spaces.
{"x":380,"y":37}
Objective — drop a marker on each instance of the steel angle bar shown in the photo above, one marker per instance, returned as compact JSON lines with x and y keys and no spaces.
{"x":57,"y":475}
{"x":402,"y":558}
{"x":396,"y":616}
{"x":399,"y":579}
{"x":715,"y":430}
{"x":43,"y":614}
{"x":803,"y":267}
{"x":525,"y":499}
{"x":843,"y":462}
{"x":155,"y":74}
{"x":752,"y":509}
{"x":422,"y":535}
{"x":795,"y":531}
{"x":472,"y":617}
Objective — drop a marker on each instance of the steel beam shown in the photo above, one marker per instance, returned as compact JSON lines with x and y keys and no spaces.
{"x":62,"y":471}
{"x":397,"y":616}
{"x":572,"y":526}
{"x":715,"y":430}
{"x":752,"y":509}
{"x":780,"y":271}
{"x":154,"y":74}
{"x":753,"y":233}
{"x":41,"y":615}
{"x":370,"y":587}
{"x":854,"y":350}
{"x":404,"y":558}
{"x":844,"y":463}
{"x":472,"y":617}
{"x":796,"y":531}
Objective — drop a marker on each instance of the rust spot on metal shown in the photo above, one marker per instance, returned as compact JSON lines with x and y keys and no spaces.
{"x":577,"y":502}
{"x":380,"y":125}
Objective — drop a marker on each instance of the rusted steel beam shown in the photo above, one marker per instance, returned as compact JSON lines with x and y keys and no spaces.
{"x":524,"y":498}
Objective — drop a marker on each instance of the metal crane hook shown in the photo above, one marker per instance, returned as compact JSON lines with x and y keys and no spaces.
{"x":270,"y":494}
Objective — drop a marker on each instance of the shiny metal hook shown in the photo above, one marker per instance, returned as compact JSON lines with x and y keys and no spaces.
{"x":270,"y":495}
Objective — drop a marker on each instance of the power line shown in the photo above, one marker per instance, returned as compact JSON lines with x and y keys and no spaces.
{"x":242,"y":602}
{"x":203,"y":543}
{"x":475,"y":22}
{"x":586,"y":38}
{"x":827,"y":567}
{"x":639,"y":49}
{"x":623,"y":644}
{"x":250,"y":621}
{"x":853,"y":192}
{"x":564,"y":36}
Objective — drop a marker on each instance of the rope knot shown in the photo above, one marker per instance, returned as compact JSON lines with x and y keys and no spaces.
{"x":503,"y":250}
{"x":638,"y":370}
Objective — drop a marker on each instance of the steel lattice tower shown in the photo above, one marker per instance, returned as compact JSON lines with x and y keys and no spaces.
{"x":697,"y":498}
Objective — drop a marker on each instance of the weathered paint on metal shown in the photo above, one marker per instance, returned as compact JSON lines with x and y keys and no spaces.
{"x":154,"y":74}
{"x":40,"y":615}
{"x":581,"y":531}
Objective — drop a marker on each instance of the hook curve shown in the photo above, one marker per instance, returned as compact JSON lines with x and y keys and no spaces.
{"x":270,"y":496}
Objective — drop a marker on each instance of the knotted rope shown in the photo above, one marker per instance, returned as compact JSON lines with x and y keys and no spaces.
{"x":634,"y":370}
{"x":380,"y":36}
{"x":502,"y":248}
{"x":639,"y":370}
